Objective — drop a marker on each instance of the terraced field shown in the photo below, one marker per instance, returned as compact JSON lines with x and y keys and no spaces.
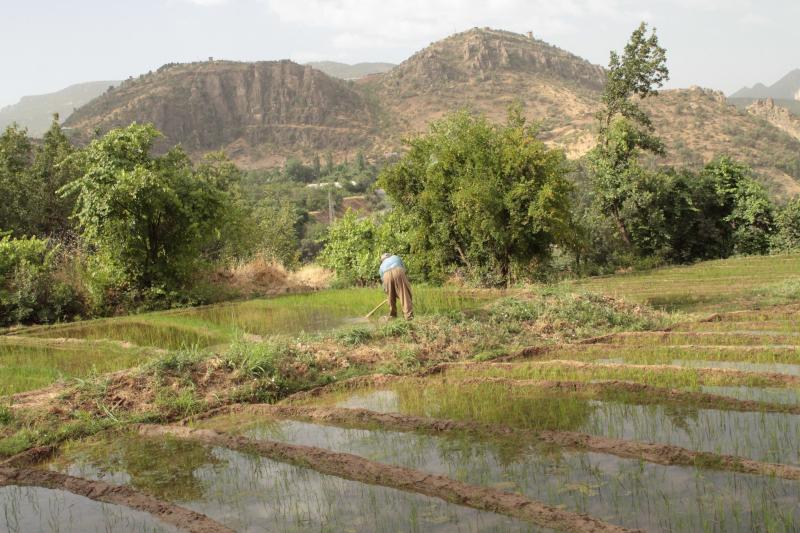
{"x":694,"y":427}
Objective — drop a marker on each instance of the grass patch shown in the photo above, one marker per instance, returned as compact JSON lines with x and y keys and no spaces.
{"x":354,"y":336}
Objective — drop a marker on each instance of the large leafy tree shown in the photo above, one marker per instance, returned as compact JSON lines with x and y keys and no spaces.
{"x":625,"y":129}
{"x":16,"y":152}
{"x":787,"y":220}
{"x":488,"y":199}
{"x":149,"y":217}
{"x":745,"y":206}
{"x":52,"y":168}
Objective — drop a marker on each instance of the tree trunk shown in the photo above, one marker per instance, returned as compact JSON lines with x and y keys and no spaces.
{"x":623,"y":231}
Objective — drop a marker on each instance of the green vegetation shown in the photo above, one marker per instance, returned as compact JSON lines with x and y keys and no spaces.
{"x":488,"y":199}
{"x":736,"y":283}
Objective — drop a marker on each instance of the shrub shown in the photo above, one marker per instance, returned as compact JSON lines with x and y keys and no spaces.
{"x":30,"y":290}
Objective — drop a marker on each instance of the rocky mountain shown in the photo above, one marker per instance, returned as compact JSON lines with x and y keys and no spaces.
{"x":786,"y":88}
{"x":351,"y":72}
{"x":261,"y":113}
{"x":36,"y":112}
{"x":487,"y":70}
{"x":776,"y":115}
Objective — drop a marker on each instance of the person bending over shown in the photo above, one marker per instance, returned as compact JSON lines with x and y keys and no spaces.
{"x":396,"y":285}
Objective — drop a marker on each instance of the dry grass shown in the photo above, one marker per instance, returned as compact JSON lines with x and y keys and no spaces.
{"x":264,"y":276}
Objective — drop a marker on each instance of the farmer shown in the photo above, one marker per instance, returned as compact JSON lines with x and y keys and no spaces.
{"x":396,"y":285}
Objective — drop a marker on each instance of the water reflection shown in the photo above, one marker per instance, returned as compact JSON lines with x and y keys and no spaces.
{"x":29,"y":509}
{"x":250,"y":493}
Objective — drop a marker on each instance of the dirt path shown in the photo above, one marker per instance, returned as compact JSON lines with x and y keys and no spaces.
{"x":663,"y":454}
{"x":773,"y":379}
{"x":357,"y":468}
{"x":100,"y":491}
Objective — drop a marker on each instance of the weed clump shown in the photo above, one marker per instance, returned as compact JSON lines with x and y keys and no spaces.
{"x":259,"y":360}
{"x":395,"y":328}
{"x":176,"y":362}
{"x":354,"y":336}
{"x":557,"y":311}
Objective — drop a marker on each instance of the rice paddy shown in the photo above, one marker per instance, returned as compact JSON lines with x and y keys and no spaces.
{"x":35,"y":357}
{"x":694,"y":428}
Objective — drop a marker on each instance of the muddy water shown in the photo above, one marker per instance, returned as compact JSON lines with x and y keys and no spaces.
{"x":33,"y":509}
{"x":621,"y":491}
{"x":771,"y":437}
{"x":250,"y":493}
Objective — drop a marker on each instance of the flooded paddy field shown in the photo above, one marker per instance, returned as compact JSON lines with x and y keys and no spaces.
{"x":35,"y":357}
{"x":250,"y":493}
{"x":25,"y":509}
{"x":693,"y":428}
{"x":27,"y":364}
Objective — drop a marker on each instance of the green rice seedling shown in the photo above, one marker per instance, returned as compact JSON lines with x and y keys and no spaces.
{"x":31,"y":363}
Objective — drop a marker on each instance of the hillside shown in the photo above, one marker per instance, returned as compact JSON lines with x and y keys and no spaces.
{"x":259,"y":113}
{"x":36,"y":112}
{"x":778,"y":116}
{"x":699,"y":124}
{"x":351,"y":72}
{"x":487,"y":70}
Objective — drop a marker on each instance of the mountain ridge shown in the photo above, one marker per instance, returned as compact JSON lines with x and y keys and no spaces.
{"x":261,"y":113}
{"x":35,"y":112}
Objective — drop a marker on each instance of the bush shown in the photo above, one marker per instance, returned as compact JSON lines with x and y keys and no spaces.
{"x":787,"y":222}
{"x":29,"y":288}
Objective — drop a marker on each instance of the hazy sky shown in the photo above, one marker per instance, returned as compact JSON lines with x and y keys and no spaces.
{"x":49,"y":44}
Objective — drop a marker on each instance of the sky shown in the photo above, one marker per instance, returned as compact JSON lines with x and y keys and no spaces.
{"x":50,"y":44}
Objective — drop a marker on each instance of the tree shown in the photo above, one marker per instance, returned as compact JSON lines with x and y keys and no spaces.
{"x":746,"y":207}
{"x":295,"y":170}
{"x":625,"y":130}
{"x":489,"y":199}
{"x":15,"y":187}
{"x":53,"y":168}
{"x":148,"y":217}
{"x":317,"y":166}
{"x":787,"y":222}
{"x":279,"y":223}
{"x":350,"y":249}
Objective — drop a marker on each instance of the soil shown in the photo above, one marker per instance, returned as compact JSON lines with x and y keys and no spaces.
{"x":663,"y":454}
{"x":29,"y":457}
{"x":100,"y":491}
{"x":356,"y":468}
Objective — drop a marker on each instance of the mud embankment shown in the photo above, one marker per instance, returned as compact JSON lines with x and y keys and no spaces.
{"x":357,"y":468}
{"x":177,"y":516}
